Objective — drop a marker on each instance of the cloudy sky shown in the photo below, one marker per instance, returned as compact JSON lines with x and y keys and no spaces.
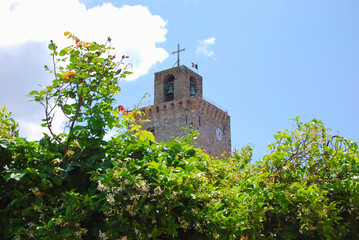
{"x":264,"y":61}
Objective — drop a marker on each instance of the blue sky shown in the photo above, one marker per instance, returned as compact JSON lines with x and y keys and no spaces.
{"x":264,"y":61}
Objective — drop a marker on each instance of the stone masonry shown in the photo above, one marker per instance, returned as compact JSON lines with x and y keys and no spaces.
{"x":184,"y":108}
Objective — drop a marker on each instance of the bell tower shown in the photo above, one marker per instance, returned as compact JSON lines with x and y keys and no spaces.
{"x":175,"y":84}
{"x":179,"y":103}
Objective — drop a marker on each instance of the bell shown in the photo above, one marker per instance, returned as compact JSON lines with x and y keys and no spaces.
{"x":170,"y":90}
{"x":193,"y":90}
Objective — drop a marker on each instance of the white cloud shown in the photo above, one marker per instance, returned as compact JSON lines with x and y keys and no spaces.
{"x":27,"y":26}
{"x":133,"y":29}
{"x":204,"y":47}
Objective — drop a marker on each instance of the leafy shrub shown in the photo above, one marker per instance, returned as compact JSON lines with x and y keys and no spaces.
{"x":76,"y":185}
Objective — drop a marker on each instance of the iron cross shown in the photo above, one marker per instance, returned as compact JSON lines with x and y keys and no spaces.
{"x":178,"y":54}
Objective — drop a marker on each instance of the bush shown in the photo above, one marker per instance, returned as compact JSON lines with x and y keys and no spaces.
{"x":76,"y":185}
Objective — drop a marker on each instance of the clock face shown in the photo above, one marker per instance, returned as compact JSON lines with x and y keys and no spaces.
{"x":219,"y":134}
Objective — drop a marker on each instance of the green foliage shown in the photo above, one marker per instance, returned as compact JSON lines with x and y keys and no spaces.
{"x":76,"y":185}
{"x":8,"y":128}
{"x":83,"y":89}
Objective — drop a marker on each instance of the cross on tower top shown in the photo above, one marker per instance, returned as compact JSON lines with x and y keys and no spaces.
{"x":178,"y":54}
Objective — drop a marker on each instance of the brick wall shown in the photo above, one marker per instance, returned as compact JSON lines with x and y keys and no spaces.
{"x":169,"y":118}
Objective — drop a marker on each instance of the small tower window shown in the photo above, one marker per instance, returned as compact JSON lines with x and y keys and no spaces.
{"x":192,"y":88}
{"x":169,"y":90}
{"x":152,"y":130}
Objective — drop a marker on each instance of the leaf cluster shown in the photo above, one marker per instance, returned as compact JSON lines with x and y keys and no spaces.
{"x":76,"y":185}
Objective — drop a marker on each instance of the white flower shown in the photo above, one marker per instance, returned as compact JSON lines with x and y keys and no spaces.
{"x":157,"y":190}
{"x":31,"y":224}
{"x":58,"y":221}
{"x":110,"y":199}
{"x":57,"y":160}
{"x":31,"y":235}
{"x":34,"y":190}
{"x":194,"y":211}
{"x":102,"y":235}
{"x":183,"y":223}
{"x":100,"y":186}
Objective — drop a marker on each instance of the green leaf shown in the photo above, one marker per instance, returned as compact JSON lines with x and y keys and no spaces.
{"x":34,"y":92}
{"x":93,"y":47}
{"x":74,"y":59}
{"x":67,"y":109}
{"x":155,"y":232}
{"x":51,"y":223}
{"x":68,"y":211}
{"x":175,"y":146}
{"x":153,"y":165}
{"x":191,"y":152}
{"x":146,"y":135}
{"x":62,"y":52}
{"x":51,"y":46}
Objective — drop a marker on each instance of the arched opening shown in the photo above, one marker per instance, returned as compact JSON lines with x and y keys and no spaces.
{"x":169,"y":88}
{"x":192,"y":87}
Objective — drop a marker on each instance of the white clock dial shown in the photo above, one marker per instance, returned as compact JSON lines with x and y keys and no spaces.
{"x":219,"y":134}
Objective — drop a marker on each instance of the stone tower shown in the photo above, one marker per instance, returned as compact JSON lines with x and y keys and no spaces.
{"x":178,"y":103}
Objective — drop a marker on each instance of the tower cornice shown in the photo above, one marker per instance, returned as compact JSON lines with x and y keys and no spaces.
{"x":186,"y":104}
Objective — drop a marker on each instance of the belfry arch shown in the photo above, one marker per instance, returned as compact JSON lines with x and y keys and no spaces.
{"x":169,"y":88}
